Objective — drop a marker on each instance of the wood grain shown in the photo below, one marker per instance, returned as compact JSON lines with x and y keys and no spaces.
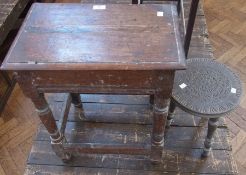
{"x":183,"y":147}
{"x":19,"y":109}
{"x":65,"y":36}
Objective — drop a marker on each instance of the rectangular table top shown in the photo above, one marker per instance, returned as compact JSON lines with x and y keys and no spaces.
{"x":98,"y":37}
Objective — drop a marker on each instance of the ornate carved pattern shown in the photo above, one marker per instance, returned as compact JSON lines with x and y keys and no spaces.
{"x":210,"y":87}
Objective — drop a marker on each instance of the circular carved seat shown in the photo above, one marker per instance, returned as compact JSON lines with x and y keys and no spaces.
{"x":206,"y":89}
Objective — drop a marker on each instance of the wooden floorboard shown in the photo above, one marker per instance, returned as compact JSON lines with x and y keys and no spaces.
{"x":183,"y":144}
{"x":226,"y":28}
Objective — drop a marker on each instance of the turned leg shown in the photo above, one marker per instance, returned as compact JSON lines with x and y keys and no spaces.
{"x":212,"y":126}
{"x":76,"y":100}
{"x":160,"y":110}
{"x":46,"y":116}
{"x":170,"y":114}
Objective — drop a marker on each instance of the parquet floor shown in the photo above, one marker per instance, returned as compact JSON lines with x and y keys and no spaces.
{"x":226,"y":25}
{"x":226,"y":22}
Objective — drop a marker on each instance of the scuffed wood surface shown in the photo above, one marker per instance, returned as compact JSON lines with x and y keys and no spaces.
{"x":74,"y":36}
{"x":183,"y":141}
{"x":200,"y":46}
{"x":183,"y":144}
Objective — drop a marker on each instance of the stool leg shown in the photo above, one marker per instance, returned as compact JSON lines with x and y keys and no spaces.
{"x":160,"y":110}
{"x":47,"y":118}
{"x":212,"y":126}
{"x":170,"y":114}
{"x":76,"y":100}
{"x":45,"y":114}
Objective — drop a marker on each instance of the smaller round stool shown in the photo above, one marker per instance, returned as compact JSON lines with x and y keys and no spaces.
{"x":205,"y":89}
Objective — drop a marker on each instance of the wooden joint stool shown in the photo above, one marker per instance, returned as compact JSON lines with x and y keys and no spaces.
{"x":98,"y":49}
{"x":207,"y":89}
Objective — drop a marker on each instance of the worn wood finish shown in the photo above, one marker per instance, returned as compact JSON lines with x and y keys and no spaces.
{"x":200,"y":46}
{"x":20,"y":119}
{"x":212,"y":88}
{"x":190,"y":25}
{"x":135,"y":37}
{"x":182,"y":152}
{"x":158,"y":83}
{"x":10,"y":11}
{"x":207,"y":89}
{"x":117,"y":109}
{"x":101,"y":81}
{"x":137,"y":53}
{"x":212,"y":126}
{"x":188,"y":29}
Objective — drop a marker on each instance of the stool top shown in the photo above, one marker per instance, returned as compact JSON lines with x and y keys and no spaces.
{"x":97,"y":37}
{"x":206,"y":87}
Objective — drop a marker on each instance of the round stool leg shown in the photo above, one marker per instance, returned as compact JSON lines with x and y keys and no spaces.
{"x":170,"y":113}
{"x":76,"y":100}
{"x":212,"y":126}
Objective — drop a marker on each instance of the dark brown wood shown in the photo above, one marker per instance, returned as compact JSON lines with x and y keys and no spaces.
{"x":10,"y":11}
{"x":172,"y":107}
{"x":160,"y":111}
{"x":177,"y":160}
{"x":187,"y":29}
{"x":207,"y":89}
{"x":76,"y":100}
{"x":212,"y":126}
{"x":137,"y":53}
{"x":32,"y":169}
{"x":183,"y":141}
{"x":126,"y":109}
{"x":42,"y":107}
{"x":134,"y":37}
{"x":197,"y":39}
{"x":113,"y":81}
{"x":210,"y":89}
{"x":64,"y":115}
{"x":183,"y":145}
{"x":190,"y":25}
{"x":45,"y":114}
{"x":88,"y":132}
{"x":151,"y":100}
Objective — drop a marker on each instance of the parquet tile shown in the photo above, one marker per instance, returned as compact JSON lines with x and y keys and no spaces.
{"x":226,"y":21}
{"x":16,"y":132}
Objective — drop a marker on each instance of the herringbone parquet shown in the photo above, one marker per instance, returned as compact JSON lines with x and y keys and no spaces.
{"x":226,"y":22}
{"x":18,"y":125}
{"x":227,"y":31}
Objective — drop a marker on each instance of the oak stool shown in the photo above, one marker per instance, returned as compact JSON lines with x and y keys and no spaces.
{"x":206,"y":89}
{"x":98,"y":49}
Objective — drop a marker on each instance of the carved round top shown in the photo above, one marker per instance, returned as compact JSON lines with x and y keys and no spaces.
{"x":207,"y":87}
